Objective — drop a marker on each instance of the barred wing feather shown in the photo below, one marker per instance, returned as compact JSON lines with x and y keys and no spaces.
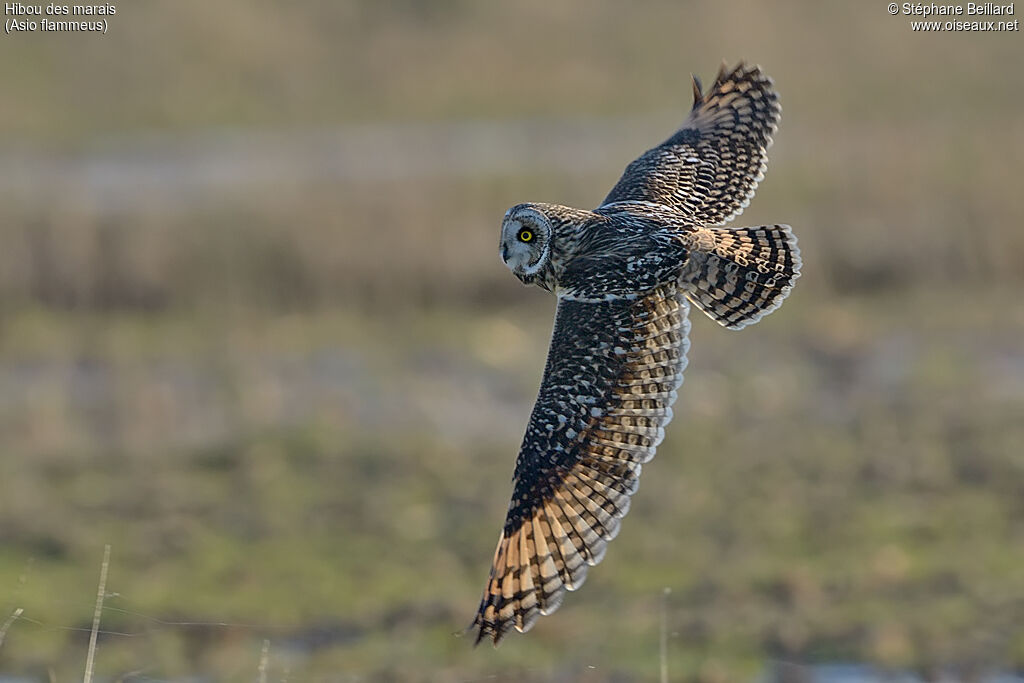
{"x":611,"y":377}
{"x":710,"y":168}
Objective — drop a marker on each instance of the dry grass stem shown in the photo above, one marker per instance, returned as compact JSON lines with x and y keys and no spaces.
{"x":7,"y":624}
{"x":100,"y":592}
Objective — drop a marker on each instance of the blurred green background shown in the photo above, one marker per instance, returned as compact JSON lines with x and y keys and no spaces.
{"x":255,"y":334}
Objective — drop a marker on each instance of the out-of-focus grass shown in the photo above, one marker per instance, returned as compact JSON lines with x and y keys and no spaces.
{"x":858,"y":496}
{"x":897,"y":157}
{"x":292,"y":404}
{"x":191,"y":65}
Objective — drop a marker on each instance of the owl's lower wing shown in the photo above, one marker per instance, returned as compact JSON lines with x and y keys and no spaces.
{"x":709,"y":169}
{"x":610,"y":380}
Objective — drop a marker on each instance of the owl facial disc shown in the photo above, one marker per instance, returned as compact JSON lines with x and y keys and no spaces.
{"x":525,"y":241}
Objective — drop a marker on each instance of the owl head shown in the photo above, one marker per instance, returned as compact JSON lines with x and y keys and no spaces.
{"x":525,"y":242}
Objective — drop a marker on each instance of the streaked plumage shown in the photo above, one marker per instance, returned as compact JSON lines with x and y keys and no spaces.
{"x":624,"y":275}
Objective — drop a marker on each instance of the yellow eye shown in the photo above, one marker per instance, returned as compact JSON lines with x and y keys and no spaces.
{"x":525,"y":235}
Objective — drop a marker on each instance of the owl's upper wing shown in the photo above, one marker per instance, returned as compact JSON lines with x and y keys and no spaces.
{"x":610,"y":380}
{"x":711,"y":166}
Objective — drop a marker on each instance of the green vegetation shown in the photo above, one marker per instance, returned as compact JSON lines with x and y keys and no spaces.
{"x":292,"y":406}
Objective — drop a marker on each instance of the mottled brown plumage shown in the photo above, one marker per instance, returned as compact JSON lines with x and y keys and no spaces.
{"x":624,"y":274}
{"x":710,"y":168}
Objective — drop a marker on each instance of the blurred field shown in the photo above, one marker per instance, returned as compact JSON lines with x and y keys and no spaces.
{"x":254,"y":333}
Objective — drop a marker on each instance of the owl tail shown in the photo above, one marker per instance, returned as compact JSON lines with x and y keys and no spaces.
{"x":739,"y":275}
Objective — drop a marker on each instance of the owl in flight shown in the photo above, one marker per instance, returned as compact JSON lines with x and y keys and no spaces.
{"x":625,"y":275}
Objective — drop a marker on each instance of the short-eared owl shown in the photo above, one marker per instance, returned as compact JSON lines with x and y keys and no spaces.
{"x":624,"y":275}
